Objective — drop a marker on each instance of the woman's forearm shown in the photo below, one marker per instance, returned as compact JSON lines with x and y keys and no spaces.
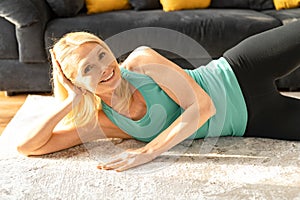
{"x":183,"y":127}
{"x":43,"y":130}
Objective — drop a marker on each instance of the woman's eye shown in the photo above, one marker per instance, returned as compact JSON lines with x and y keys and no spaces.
{"x":88,"y":69}
{"x":101,"y":55}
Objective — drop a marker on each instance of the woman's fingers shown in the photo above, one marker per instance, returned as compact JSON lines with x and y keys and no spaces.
{"x":115,"y":165}
{"x":117,"y":161}
{"x":112,"y":165}
{"x":118,"y":158}
{"x":127,"y":160}
{"x":55,"y":64}
{"x":120,"y":165}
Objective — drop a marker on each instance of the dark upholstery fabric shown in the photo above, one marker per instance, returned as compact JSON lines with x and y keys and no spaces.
{"x":30,"y":18}
{"x":20,"y":77}
{"x":215,"y":29}
{"x":8,"y":41}
{"x":244,"y":4}
{"x":145,"y":4}
{"x":31,"y":38}
{"x":261,"y":4}
{"x":285,"y":16}
{"x":229,"y":4}
{"x":19,"y":12}
{"x":66,"y":8}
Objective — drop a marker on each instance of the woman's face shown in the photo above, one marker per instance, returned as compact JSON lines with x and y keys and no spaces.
{"x":98,"y":70}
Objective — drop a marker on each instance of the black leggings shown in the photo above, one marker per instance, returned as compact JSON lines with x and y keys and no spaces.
{"x":257,"y":62}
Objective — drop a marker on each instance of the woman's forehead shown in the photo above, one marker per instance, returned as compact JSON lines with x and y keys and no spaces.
{"x":84,"y":53}
{"x":88,"y":48}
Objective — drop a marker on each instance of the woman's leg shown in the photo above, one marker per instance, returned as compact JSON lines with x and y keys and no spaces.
{"x":257,"y":62}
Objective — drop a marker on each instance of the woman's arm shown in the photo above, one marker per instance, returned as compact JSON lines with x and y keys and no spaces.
{"x":183,"y":90}
{"x":44,"y":138}
{"x":47,"y":137}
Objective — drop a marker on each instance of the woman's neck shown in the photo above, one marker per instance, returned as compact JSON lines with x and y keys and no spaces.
{"x":114,"y":97}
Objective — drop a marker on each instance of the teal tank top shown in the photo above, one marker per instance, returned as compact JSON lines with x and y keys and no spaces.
{"x":216,"y":78}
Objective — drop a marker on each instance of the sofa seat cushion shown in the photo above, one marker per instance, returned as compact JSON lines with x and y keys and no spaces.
{"x":215,"y":29}
{"x":285,"y":16}
{"x":21,"y":77}
{"x":8,"y":40}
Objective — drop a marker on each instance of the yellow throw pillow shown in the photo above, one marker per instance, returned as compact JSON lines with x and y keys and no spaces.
{"x":97,"y":6}
{"x":172,"y":5}
{"x":285,"y":4}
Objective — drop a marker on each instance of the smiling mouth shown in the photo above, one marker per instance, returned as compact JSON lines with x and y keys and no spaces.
{"x":108,"y":78}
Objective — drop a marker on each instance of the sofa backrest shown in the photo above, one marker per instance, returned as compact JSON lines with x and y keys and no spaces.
{"x":66,"y":8}
{"x":243,"y":4}
{"x":69,"y":8}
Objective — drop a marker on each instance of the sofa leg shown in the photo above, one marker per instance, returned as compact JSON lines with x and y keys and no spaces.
{"x":9,"y":93}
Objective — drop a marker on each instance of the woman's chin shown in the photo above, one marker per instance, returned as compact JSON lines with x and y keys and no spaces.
{"x":108,"y":87}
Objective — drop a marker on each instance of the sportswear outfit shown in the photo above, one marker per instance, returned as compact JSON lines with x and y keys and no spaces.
{"x":241,"y":85}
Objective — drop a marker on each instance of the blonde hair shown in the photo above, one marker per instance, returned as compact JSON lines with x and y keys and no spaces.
{"x":86,"y":111}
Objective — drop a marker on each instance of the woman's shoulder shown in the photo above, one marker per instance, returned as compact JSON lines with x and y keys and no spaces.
{"x":140,"y":56}
{"x":141,"y":50}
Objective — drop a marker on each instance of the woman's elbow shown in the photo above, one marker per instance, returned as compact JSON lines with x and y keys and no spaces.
{"x":22,"y":150}
{"x":207,"y":107}
{"x":27,"y":152}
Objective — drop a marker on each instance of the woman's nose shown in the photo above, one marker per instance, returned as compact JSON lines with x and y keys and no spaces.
{"x":104,"y":73}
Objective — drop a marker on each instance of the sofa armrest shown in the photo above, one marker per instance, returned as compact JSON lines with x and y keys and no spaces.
{"x":30,"y":18}
{"x":31,"y":38}
{"x":19,"y":12}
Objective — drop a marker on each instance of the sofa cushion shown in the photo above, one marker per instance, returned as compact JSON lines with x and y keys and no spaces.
{"x":66,"y":8}
{"x":98,"y":6}
{"x":19,"y":12}
{"x":215,"y":29}
{"x":285,"y":16}
{"x":145,"y":4}
{"x":172,"y":5}
{"x":244,"y":4}
{"x":8,"y":40}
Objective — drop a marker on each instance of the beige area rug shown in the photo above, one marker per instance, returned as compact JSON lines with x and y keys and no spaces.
{"x":224,"y":168}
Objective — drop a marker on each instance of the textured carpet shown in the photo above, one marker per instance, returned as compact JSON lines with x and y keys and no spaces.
{"x":224,"y":168}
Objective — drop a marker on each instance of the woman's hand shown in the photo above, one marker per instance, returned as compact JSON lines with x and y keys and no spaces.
{"x":74,"y":92}
{"x":129,"y":159}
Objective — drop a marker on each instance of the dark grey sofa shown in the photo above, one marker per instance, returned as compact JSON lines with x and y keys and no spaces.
{"x":30,"y":27}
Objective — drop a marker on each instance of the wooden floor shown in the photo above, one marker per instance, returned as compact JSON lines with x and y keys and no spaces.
{"x":8,"y":108}
{"x":10,"y":105}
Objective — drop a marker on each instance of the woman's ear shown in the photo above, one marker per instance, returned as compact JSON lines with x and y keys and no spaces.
{"x":84,"y":91}
{"x":81,"y":88}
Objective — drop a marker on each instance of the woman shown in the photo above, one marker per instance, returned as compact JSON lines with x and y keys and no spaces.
{"x":151,"y":99}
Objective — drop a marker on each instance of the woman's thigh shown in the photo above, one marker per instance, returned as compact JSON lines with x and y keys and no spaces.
{"x":274,"y":116}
